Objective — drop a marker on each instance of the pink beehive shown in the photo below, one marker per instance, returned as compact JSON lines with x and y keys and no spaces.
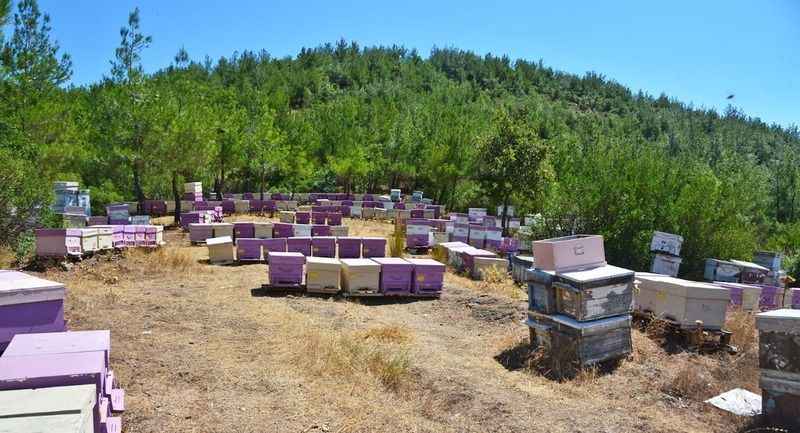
{"x":58,"y":242}
{"x":129,"y":234}
{"x":569,"y":253}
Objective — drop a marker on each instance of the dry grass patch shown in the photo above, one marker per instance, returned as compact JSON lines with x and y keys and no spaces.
{"x":495,"y":281}
{"x":388,"y":334}
{"x":165,"y":259}
{"x":7,"y":258}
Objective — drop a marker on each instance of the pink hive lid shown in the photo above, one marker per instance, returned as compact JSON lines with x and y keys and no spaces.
{"x":59,"y":342}
{"x":19,"y":369}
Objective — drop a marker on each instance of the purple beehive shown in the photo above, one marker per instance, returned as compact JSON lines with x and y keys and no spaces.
{"x":270,"y":206}
{"x":349,"y":247}
{"x":320,"y":230}
{"x":248,"y":196}
{"x":318,"y":218}
{"x":248,"y":249}
{"x":151,"y":235}
{"x":477,"y":235}
{"x":399,"y":205}
{"x":29,"y":304}
{"x":99,"y":220}
{"x":282,"y":230}
{"x":140,"y":235}
{"x":347,"y":202}
{"x":373,"y":247}
{"x":286,"y":269}
{"x":494,"y":238}
{"x":417,"y":233}
{"x":771,"y":297}
{"x":244,"y":230}
{"x":301,"y":244}
{"x":273,"y":245}
{"x":58,"y":242}
{"x":468,"y":258}
{"x":368,"y":198}
{"x":302,"y":217}
{"x":417,"y":213}
{"x":228,"y":207}
{"x":323,"y":246}
{"x":256,"y":205}
{"x":345,"y":210}
{"x":395,"y":275}
{"x":129,"y":235}
{"x":460,"y":233}
{"x":61,"y":369}
{"x":428,"y":276}
{"x":334,"y":218}
{"x":509,"y":245}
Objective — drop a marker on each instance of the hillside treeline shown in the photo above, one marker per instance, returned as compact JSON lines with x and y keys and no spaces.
{"x":585,"y":152}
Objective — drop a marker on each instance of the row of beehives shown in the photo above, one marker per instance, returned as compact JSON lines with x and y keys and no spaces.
{"x":465,"y":258}
{"x":199,"y":233}
{"x":386,"y":276}
{"x":79,"y":241}
{"x":223,"y":250}
{"x":52,"y":380}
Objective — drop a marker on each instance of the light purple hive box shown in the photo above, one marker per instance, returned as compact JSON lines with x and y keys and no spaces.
{"x":302,"y":217}
{"x":318,"y":217}
{"x":494,"y":238}
{"x":61,"y":369}
{"x":139,"y":235}
{"x":320,"y":230}
{"x":248,"y":196}
{"x":282,"y":230}
{"x":349,"y":247}
{"x":771,"y":297}
{"x":373,"y":247}
{"x":417,"y":232}
{"x":244,"y":230}
{"x":98,"y":220}
{"x":228,"y":207}
{"x":477,"y":235}
{"x":273,"y":245}
{"x":200,"y":232}
{"x":150,"y":236}
{"x":299,"y":244}
{"x":428,"y":276}
{"x":334,"y":218}
{"x":323,"y":246}
{"x":58,"y":242}
{"x":286,"y":269}
{"x":28,"y":305}
{"x":248,"y":249}
{"x":468,"y":258}
{"x":395,"y":275}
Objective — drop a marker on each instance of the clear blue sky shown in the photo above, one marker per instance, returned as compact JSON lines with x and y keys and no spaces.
{"x":695,"y":51}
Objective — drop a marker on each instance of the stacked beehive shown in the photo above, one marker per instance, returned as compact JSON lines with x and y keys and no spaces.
{"x":193,"y":191}
{"x":579,"y":306}
{"x":667,"y":251}
{"x":779,"y":361}
{"x":59,"y":381}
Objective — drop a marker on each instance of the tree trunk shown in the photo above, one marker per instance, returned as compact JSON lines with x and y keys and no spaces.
{"x":137,"y":185}
{"x":504,"y":219}
{"x":261,"y":182}
{"x":176,"y":195}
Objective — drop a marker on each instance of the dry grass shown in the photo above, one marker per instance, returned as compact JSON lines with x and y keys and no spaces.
{"x":397,"y":242}
{"x":497,"y":281}
{"x":7,"y":258}
{"x":167,"y":259}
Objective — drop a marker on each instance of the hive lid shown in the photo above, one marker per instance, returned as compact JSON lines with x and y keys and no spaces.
{"x":373,"y":238}
{"x":680,"y":287}
{"x":20,"y":288}
{"x":360,"y":263}
{"x":223,"y":224}
{"x":219,"y":241}
{"x":47,"y":401}
{"x":59,"y":342}
{"x":15,"y":370}
{"x":390,"y":261}
{"x":783,"y":320}
{"x":596,"y":274}
{"x":478,"y":252}
{"x":749,"y":265}
{"x":283,"y":254}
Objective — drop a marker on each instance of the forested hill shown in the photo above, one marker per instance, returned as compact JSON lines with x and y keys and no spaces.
{"x":469,"y":130}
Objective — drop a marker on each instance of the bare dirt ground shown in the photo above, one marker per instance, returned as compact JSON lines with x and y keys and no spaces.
{"x":197,"y":352}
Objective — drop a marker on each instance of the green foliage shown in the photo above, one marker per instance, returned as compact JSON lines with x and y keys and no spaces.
{"x":25,"y":248}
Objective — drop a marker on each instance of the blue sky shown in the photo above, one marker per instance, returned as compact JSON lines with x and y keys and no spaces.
{"x":696,"y":51}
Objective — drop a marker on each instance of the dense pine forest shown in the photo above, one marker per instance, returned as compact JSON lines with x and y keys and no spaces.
{"x":585,"y":152}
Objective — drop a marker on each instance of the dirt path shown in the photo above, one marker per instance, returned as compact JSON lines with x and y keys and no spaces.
{"x":197,"y":352}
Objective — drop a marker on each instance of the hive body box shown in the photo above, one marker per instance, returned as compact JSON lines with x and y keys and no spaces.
{"x":28,"y":305}
{"x":666,"y":243}
{"x":468,"y":256}
{"x":666,"y":265}
{"x":477,"y":235}
{"x":67,"y":409}
{"x":286,"y":217}
{"x":720,"y":270}
{"x":484,"y":264}
{"x":519,"y":267}
{"x":286,"y":269}
{"x":682,"y":301}
{"x":244,"y":230}
{"x":323,"y":246}
{"x":199,"y":232}
{"x":593,"y":294}
{"x":320,"y":230}
{"x":779,"y":360}
{"x":585,"y":343}
{"x":300,"y":245}
{"x":349,"y":247}
{"x":395,"y":275}
{"x":223,"y":229}
{"x":541,"y":293}
{"x":323,"y":275}
{"x":339,"y":231}
{"x":768,"y":259}
{"x":273,"y":245}
{"x":89,"y":239}
{"x":262,"y":230}
{"x":746,"y":296}
{"x":460,"y":232}
{"x":116,"y":231}
{"x":282,"y":230}
{"x":360,"y":276}
{"x":417,"y":233}
{"x":427,"y":277}
{"x":373,"y":247}
{"x":494,"y":238}
{"x":220,"y":250}
{"x":58,"y":242}
{"x":569,"y":253}
{"x":248,"y":249}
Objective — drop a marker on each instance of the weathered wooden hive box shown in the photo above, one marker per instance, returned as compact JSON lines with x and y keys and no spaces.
{"x":682,"y":301}
{"x":779,"y":361}
{"x":67,"y":409}
{"x":721,"y":270}
{"x":417,"y":233}
{"x":360,"y":276}
{"x":569,"y":253}
{"x":262,"y":230}
{"x":199,"y":232}
{"x":285,"y":216}
{"x":323,"y":246}
{"x":541,"y":293}
{"x":477,"y":235}
{"x":373,"y":247}
{"x":349,"y":247}
{"x":595,"y":293}
{"x":248,"y":249}
{"x":666,"y":265}
{"x":46,"y":371}
{"x":667,"y":243}
{"x":395,"y":275}
{"x":223,"y":229}
{"x":468,"y":259}
{"x":489,"y":264}
{"x":520,"y":266}
{"x":58,"y":242}
{"x":299,"y":244}
{"x":323,"y":275}
{"x":302,"y":230}
{"x":768,"y":259}
{"x":583,"y":343}
{"x":220,"y":250}
{"x":286,"y":269}
{"x":117,"y":214}
{"x":29,"y":305}
{"x":282,"y":230}
{"x":273,"y":245}
{"x":750,"y":273}
{"x":320,"y":230}
{"x":244,"y":229}
{"x":427,"y":277}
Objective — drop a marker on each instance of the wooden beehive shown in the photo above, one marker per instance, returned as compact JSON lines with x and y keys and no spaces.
{"x":569,"y":253}
{"x":323,"y":275}
{"x":779,"y":361}
{"x":262,"y":230}
{"x":520,"y":266}
{"x":360,"y":276}
{"x":29,"y":304}
{"x":220,"y":250}
{"x":594,"y":293}
{"x":222,"y":229}
{"x":667,"y":243}
{"x":682,"y":301}
{"x":484,"y":264}
{"x":665,"y":264}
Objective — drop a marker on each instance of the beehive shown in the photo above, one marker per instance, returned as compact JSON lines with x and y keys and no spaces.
{"x":427,"y":277}
{"x":58,"y":242}
{"x":594,"y":293}
{"x":286,"y":217}
{"x":286,"y":269}
{"x":262,"y":230}
{"x":68,"y":409}
{"x":302,"y":230}
{"x":349,"y":247}
{"x":373,"y":247}
{"x":667,"y":243}
{"x":223,"y":229}
{"x":569,"y":253}
{"x":273,"y":245}
{"x":360,"y":276}
{"x":220,"y":250}
{"x":323,"y":275}
{"x":29,"y":304}
{"x":682,"y":301}
{"x":395,"y":275}
{"x":485,"y":264}
{"x":323,"y":246}
{"x":248,"y":249}
{"x":299,"y":244}
{"x":779,"y":361}
{"x":199,"y":232}
{"x":665,"y":264}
